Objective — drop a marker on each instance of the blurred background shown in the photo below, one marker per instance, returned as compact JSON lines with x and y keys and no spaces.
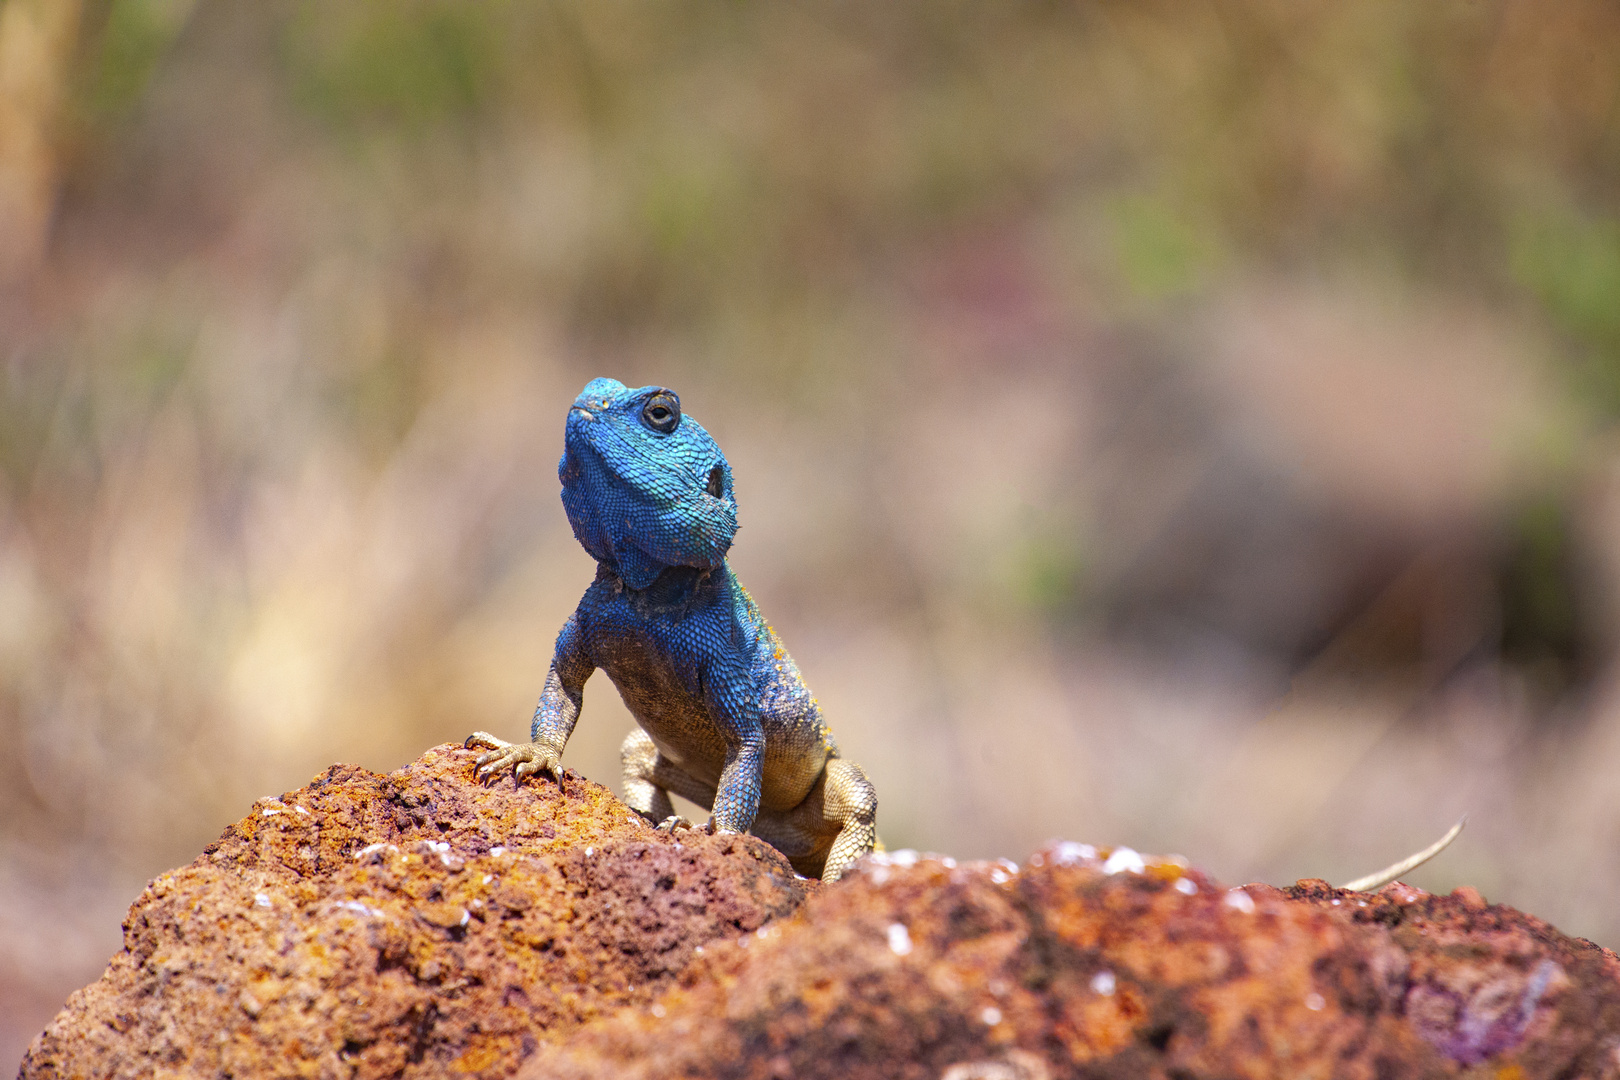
{"x":1189,"y":426}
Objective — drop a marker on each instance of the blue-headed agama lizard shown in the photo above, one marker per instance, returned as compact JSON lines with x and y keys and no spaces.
{"x":725,"y":719}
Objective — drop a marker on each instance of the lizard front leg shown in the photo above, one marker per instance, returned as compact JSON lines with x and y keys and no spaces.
{"x":554,"y":717}
{"x":737,"y":801}
{"x":731,"y":701}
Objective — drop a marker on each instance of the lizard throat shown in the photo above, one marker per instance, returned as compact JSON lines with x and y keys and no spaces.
{"x":672,"y":591}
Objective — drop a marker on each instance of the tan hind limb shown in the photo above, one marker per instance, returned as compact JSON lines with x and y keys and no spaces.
{"x":852,"y":802}
{"x":834,"y":825}
{"x":650,"y":777}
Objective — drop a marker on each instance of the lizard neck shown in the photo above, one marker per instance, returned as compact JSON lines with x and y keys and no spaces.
{"x":673,"y":590}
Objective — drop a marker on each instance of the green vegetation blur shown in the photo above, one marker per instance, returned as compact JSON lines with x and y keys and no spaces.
{"x":1176,"y":424}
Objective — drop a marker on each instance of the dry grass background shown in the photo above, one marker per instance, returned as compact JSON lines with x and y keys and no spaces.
{"x":1187,"y":426}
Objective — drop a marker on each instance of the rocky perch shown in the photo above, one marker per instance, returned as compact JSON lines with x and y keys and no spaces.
{"x":417,"y":925}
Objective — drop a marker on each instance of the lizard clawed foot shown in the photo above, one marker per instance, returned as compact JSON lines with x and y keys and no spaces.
{"x":525,"y":759}
{"x":675,"y":821}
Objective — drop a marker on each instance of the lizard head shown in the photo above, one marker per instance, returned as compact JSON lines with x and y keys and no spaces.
{"x":644,"y":486}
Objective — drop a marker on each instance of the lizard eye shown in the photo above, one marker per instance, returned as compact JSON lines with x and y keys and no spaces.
{"x":717,"y":481}
{"x":662,"y":412}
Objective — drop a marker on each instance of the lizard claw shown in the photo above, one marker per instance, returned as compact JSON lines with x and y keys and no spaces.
{"x":540,"y":763}
{"x":525,"y":759}
{"x":675,"y":821}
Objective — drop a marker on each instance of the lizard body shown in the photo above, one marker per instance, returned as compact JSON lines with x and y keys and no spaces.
{"x":724,"y":717}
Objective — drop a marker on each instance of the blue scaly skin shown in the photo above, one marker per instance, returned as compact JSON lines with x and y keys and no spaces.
{"x":725,"y":719}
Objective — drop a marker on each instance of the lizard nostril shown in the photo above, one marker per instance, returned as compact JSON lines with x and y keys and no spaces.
{"x":717,"y":481}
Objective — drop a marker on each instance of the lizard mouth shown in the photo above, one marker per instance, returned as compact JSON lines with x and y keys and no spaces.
{"x":583,"y":411}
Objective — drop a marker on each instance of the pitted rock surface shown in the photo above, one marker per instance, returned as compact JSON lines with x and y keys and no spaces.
{"x":414,"y":924}
{"x":419,"y":925}
{"x":1062,"y":969}
{"x":1486,"y":984}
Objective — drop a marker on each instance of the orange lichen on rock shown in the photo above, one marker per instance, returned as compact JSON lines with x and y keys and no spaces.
{"x":417,"y":924}
{"x":407,"y":925}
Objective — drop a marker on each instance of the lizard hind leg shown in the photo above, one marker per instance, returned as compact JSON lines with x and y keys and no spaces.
{"x":650,"y":778}
{"x":639,"y":757}
{"x":849,"y":800}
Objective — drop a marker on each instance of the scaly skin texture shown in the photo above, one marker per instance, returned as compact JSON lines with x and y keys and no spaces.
{"x":725,"y":719}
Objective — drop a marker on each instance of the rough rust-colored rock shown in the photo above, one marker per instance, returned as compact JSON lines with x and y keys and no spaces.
{"x":414,"y":924}
{"x":1486,"y":983}
{"x":419,"y":925}
{"x":1063,"y":969}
